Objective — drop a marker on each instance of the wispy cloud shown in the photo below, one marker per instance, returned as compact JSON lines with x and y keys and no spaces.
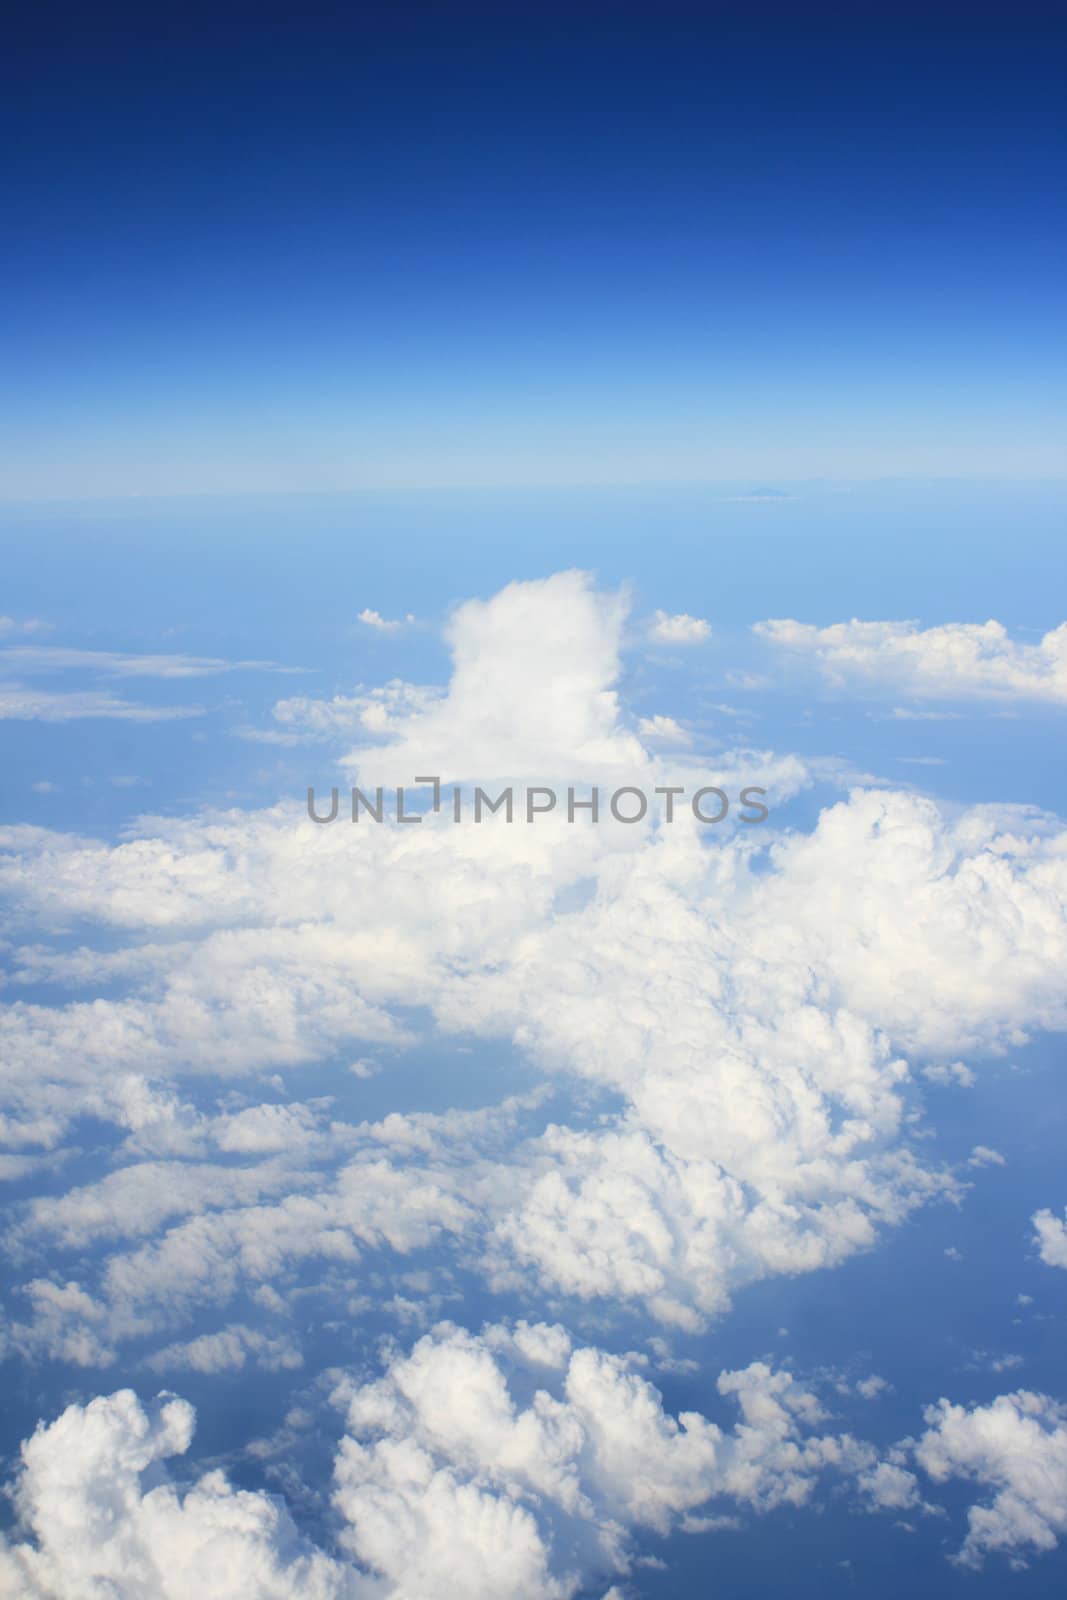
{"x":759,"y":496}
{"x":20,"y":703}
{"x":119,"y":664}
{"x":29,"y":625}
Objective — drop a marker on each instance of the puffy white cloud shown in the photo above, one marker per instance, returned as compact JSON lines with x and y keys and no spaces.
{"x":505,"y":1465}
{"x":441,"y":1434}
{"x":745,"y":1005}
{"x":531,"y":693}
{"x":889,"y":1485}
{"x":956,"y":659}
{"x":664,"y":729}
{"x":725,"y":1015}
{"x":944,"y":930}
{"x":1016,"y":1447}
{"x":97,"y":1524}
{"x":1050,"y":1236}
{"x":679,"y":629}
{"x":454,"y":1473}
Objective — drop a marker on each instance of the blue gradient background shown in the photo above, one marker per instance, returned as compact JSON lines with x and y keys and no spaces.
{"x":494,"y":244}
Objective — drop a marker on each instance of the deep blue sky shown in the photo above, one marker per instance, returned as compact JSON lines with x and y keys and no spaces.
{"x":430,"y":244}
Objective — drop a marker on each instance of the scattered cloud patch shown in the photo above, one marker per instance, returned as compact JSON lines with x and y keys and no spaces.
{"x":954,"y":660}
{"x":679,"y":629}
{"x":380,"y":624}
{"x":983,"y":1156}
{"x":953,"y":1073}
{"x":664,"y":729}
{"x":1050,"y":1236}
{"x":1016,"y":1447}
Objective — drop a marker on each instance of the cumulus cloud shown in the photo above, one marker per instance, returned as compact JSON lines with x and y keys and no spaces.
{"x":505,"y":1465}
{"x":679,"y":629}
{"x":441,"y":1439}
{"x":955,"y":659}
{"x":746,"y":1005}
{"x":661,"y":727}
{"x":1050,"y":1236}
{"x":531,"y":692}
{"x":95,"y":1520}
{"x":729,"y":1026}
{"x":1016,"y":1447}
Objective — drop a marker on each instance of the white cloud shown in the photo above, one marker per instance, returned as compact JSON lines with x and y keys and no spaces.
{"x":441,"y":1437}
{"x":679,"y":629}
{"x":747,"y":1009}
{"x":119,"y":664}
{"x":530,"y":695}
{"x":909,"y":714}
{"x":956,"y":659}
{"x":662,"y":728}
{"x":1050,"y":1236}
{"x":68,"y":1325}
{"x":375,"y":620}
{"x":889,"y":1485}
{"x":727,"y":1023}
{"x":983,"y":1156}
{"x":91,"y":1525}
{"x":18,"y":703}
{"x":1016,"y":1447}
{"x":985,"y":1361}
{"x":228,"y":1351}
{"x":950,"y":1074}
{"x":505,"y":1465}
{"x":454,"y":1473}
{"x":375,"y":711}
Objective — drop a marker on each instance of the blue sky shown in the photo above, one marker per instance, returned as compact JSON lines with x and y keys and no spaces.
{"x":482,"y":246}
{"x":525,"y":1210}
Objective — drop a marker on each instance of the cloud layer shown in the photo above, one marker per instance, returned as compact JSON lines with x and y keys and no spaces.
{"x":956,"y":659}
{"x":712,"y":1038}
